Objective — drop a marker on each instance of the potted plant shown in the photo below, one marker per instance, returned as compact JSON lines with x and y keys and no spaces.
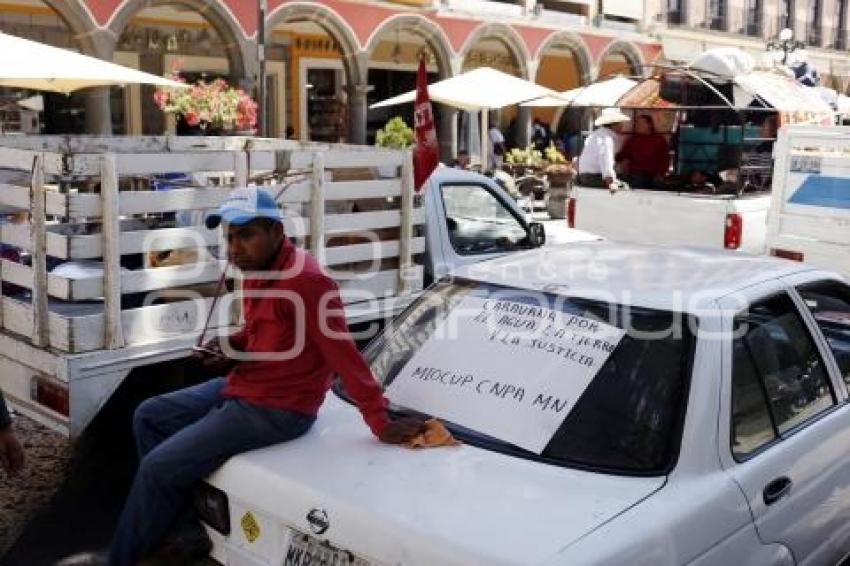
{"x":519,"y":160}
{"x":211,"y":107}
{"x":558,"y":170}
{"x":560,"y":175}
{"x":395,"y":134}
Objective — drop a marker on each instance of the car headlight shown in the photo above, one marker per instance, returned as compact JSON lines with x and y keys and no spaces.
{"x":213,"y":507}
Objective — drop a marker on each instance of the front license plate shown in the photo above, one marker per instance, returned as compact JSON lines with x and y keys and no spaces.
{"x":306,"y":550}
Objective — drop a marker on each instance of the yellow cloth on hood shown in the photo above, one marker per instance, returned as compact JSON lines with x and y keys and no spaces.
{"x":434,"y":435}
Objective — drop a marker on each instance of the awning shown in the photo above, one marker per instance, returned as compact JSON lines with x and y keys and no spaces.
{"x":600,"y":94}
{"x":480,"y":89}
{"x":32,"y":65}
{"x":783,"y":93}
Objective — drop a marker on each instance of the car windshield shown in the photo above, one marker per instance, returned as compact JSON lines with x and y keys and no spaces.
{"x":568,"y":381}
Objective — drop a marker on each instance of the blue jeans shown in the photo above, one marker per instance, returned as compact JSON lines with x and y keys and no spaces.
{"x":182,"y":437}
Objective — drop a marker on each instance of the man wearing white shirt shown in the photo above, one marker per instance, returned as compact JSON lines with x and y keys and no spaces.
{"x":496,"y":147}
{"x":596,"y":163}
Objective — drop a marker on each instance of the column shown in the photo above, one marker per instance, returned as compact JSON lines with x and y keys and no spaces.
{"x":447,"y":133}
{"x":357,"y":113}
{"x":98,"y":111}
{"x":523,"y":126}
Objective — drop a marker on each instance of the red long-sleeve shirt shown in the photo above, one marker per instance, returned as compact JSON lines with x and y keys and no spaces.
{"x":647,"y":154}
{"x":296,"y":315}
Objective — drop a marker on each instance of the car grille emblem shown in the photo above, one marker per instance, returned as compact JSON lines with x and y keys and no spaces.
{"x":318,"y":521}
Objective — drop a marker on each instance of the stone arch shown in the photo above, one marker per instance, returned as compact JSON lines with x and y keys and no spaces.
{"x":576,"y":45}
{"x":507,"y":35}
{"x":240,"y":54}
{"x":335,"y":25}
{"x":633,"y":56}
{"x":81,"y":25}
{"x":429,"y":31}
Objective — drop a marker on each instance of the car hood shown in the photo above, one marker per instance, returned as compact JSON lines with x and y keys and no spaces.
{"x":453,"y":505}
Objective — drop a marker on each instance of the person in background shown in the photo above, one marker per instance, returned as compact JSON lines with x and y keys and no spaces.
{"x":11,"y":453}
{"x":497,"y":147}
{"x":541,"y":135}
{"x":597,"y":159}
{"x":645,"y":157}
{"x":462,"y":160}
{"x":290,"y":133}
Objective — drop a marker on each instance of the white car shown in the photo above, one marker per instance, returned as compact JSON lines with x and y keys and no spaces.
{"x":617,"y":404}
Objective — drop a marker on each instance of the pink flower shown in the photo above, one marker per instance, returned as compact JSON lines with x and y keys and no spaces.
{"x":192,"y":118}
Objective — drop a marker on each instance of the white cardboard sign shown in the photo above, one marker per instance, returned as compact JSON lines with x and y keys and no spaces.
{"x":507,"y":369}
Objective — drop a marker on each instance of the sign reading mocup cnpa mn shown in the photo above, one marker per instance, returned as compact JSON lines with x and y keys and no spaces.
{"x":507,"y":369}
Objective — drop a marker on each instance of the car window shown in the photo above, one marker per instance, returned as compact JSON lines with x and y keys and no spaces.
{"x":478,"y":222}
{"x":752,"y":427}
{"x":829,"y":303}
{"x":627,"y":420}
{"x":774,"y":353}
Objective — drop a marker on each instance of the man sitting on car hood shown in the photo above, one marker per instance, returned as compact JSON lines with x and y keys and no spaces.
{"x":280,"y":365}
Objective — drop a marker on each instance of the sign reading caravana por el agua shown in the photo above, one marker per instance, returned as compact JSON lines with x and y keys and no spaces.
{"x":510,"y":370}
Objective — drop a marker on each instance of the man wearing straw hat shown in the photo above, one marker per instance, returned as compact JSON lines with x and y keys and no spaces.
{"x":596,"y":163}
{"x":278,"y":369}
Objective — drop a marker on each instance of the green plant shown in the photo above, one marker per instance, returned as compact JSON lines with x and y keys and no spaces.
{"x":554,"y":156}
{"x":528,"y":156}
{"x":395,"y":134}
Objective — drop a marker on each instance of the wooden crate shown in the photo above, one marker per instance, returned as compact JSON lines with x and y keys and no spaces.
{"x":89,"y":198}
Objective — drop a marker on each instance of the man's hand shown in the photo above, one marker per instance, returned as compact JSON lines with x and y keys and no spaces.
{"x":211,"y":358}
{"x":403,"y":429}
{"x":11,"y":453}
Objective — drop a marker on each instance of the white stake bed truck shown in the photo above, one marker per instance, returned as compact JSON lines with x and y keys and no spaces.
{"x":809,"y":218}
{"x":69,"y":336}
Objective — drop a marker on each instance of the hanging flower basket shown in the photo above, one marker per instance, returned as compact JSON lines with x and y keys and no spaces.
{"x":213,"y":107}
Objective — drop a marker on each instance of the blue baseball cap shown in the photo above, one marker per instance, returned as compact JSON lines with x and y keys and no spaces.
{"x":243,"y":205}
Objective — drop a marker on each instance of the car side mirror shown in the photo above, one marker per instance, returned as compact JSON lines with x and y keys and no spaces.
{"x":536,"y":234}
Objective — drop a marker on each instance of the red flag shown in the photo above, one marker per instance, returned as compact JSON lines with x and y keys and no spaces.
{"x":426,"y":154}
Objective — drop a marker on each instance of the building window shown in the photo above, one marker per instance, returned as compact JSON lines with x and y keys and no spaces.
{"x":813,"y":23}
{"x":753,"y":26}
{"x":676,"y":12}
{"x":716,"y":14}
{"x":785,"y":8}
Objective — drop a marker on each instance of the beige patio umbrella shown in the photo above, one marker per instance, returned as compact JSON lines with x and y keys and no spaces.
{"x":481,"y":89}
{"x":601,"y":94}
{"x":36,"y":66}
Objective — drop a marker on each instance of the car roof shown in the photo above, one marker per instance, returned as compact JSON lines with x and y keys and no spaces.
{"x":454,"y":174}
{"x":676,"y":278}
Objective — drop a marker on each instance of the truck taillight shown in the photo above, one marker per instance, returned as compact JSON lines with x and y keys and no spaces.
{"x":733,"y":231}
{"x":787,"y":254}
{"x":571,"y":212}
{"x":51,"y":394}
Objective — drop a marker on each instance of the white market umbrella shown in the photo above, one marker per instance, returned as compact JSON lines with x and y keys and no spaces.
{"x":782,"y":93}
{"x":481,"y":89}
{"x":36,"y":66}
{"x":602,"y":94}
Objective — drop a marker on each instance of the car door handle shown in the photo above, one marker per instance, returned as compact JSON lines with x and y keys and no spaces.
{"x":776,"y":490}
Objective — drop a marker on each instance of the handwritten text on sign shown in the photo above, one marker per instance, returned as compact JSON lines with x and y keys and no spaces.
{"x":506,"y":369}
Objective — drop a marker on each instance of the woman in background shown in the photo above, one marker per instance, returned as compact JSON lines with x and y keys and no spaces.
{"x":645,"y":156}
